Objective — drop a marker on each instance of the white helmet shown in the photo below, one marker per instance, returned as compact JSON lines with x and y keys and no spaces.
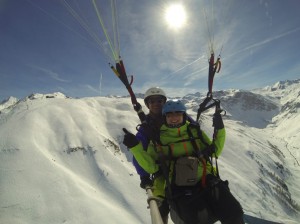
{"x":154,"y":91}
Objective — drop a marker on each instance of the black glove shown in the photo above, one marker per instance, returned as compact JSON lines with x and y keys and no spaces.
{"x":137,"y":107}
{"x":218,"y":121}
{"x":207,"y":152}
{"x":129,"y":139}
{"x":146,"y":181}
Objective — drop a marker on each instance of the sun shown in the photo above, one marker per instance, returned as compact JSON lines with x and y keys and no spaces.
{"x":175,"y":16}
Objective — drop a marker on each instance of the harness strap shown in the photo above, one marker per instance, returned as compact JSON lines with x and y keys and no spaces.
{"x":203,"y":160}
{"x":210,"y":147}
{"x":217,"y":168}
{"x":203,"y":179}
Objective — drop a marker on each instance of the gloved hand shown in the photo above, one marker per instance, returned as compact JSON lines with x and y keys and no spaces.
{"x":137,"y":107}
{"x":129,"y":139}
{"x":218,"y":121}
{"x":207,"y":152}
{"x":146,"y":181}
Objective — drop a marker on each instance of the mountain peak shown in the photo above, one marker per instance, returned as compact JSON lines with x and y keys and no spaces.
{"x":8,"y":102}
{"x":49,"y":95}
{"x":284,"y":84}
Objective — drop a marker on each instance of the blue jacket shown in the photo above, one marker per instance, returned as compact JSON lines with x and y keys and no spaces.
{"x":143,"y":138}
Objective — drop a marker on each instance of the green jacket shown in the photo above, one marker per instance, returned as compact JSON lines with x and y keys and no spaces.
{"x":175,"y":142}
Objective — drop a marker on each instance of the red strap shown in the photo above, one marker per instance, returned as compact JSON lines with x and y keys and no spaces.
{"x":211,"y":72}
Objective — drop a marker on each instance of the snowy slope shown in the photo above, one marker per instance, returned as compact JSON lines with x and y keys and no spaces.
{"x":62,"y":161}
{"x":285,"y":125}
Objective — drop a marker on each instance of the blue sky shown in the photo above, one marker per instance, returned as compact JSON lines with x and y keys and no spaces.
{"x":44,"y":48}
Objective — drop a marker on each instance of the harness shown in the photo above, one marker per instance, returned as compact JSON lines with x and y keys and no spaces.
{"x":203,"y":156}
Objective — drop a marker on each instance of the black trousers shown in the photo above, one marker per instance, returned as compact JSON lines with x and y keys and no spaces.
{"x":195,"y":205}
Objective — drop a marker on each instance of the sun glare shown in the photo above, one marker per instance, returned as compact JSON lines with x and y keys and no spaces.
{"x":175,"y":16}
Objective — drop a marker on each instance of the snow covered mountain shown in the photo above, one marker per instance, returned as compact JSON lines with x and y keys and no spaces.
{"x":8,"y":102}
{"x":62,"y":160}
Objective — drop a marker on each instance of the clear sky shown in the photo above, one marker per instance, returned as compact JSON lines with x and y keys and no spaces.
{"x":45,"y":49}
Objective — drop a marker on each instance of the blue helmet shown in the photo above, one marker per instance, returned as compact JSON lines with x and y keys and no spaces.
{"x":173,"y":106}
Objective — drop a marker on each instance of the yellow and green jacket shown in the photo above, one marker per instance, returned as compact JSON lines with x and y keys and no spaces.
{"x":175,"y":143}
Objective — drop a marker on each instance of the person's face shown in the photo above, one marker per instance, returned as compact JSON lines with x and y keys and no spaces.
{"x":174,"y":118}
{"x":155,"y":104}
